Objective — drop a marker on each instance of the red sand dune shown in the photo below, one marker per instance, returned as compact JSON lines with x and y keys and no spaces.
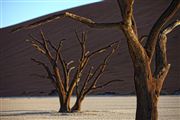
{"x":16,"y":68}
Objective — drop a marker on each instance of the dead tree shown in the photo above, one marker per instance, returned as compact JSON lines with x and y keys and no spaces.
{"x":92,"y":76}
{"x":148,"y":82}
{"x":61,"y":79}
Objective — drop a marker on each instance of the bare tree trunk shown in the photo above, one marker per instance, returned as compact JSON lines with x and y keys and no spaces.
{"x":147,"y":84}
{"x":146,"y":111}
{"x":146,"y":97}
{"x":64,"y":108}
{"x":142,"y":109}
{"x":77,"y":105}
{"x":64,"y":105}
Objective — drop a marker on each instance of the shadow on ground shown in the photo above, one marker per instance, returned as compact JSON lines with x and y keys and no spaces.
{"x":47,"y":113}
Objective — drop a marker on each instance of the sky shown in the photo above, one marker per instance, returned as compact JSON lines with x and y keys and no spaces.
{"x":17,"y":11}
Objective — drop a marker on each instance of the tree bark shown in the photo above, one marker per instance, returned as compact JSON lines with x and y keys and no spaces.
{"x":148,"y":94}
{"x":64,"y":108}
{"x":77,"y":105}
{"x":64,"y":104}
{"x":147,"y":84}
{"x":146,"y":100}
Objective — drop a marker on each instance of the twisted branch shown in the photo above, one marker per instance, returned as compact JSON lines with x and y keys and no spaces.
{"x":156,"y":29}
{"x":75,"y":17}
{"x":101,"y":69}
{"x":105,"y":84}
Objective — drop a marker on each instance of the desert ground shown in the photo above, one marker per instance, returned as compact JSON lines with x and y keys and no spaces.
{"x":94,"y":108}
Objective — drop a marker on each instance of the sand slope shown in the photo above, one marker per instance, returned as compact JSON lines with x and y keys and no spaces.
{"x":16,"y":69}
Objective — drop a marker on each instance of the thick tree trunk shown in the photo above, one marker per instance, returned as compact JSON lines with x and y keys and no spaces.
{"x":147,"y":111}
{"x":64,"y":108}
{"x":154,"y":113}
{"x":64,"y":104}
{"x":147,"y":94}
{"x":77,"y":105}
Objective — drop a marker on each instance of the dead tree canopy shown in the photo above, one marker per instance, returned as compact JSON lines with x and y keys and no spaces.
{"x":148,"y":82}
{"x":61,"y":78}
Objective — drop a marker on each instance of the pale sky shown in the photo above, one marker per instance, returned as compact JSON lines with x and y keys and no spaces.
{"x":17,"y":11}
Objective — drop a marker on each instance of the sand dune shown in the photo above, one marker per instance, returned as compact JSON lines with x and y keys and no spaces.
{"x":16,"y":69}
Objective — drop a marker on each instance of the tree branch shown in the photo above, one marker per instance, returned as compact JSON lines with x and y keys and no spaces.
{"x":45,"y":45}
{"x":35,"y":39}
{"x":58,"y":54}
{"x":142,"y":38}
{"x":82,"y":63}
{"x":102,"y":68}
{"x":102,"y":49}
{"x":77,"y":89}
{"x":162,"y":66}
{"x":161,"y":55}
{"x":75,"y":17}
{"x":154,"y":33}
{"x":50,"y":75}
{"x":88,"y":77}
{"x":56,"y":70}
{"x":37,"y":47}
{"x":134,"y":26}
{"x":130,"y":30}
{"x":105,"y":84}
{"x":126,"y":8}
{"x":170,"y":27}
{"x":82,"y":43}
